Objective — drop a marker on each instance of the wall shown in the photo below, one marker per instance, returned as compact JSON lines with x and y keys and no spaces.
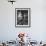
{"x":8,"y":31}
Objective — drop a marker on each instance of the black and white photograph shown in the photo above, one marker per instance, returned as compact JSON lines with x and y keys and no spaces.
{"x":22,"y":17}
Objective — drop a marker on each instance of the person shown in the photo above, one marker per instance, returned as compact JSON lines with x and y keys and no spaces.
{"x":20,"y":19}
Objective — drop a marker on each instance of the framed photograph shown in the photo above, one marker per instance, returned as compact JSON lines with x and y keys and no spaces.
{"x":22,"y":17}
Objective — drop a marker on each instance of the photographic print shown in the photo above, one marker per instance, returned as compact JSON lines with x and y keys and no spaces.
{"x":22,"y":16}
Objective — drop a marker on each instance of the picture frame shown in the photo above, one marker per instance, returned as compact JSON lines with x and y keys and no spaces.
{"x":22,"y":17}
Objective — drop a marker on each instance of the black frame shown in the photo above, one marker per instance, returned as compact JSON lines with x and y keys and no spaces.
{"x":29,"y":17}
